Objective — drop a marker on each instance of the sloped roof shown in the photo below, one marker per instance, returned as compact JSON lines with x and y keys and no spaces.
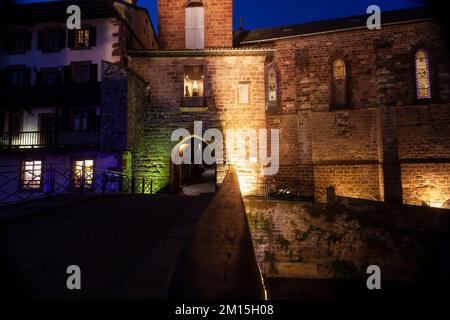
{"x":268,"y":34}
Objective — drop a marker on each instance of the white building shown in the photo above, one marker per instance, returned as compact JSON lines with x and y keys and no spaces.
{"x":50,"y":102}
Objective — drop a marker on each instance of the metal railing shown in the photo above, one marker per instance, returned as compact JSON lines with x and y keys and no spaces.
{"x":19,"y":184}
{"x":35,"y":139}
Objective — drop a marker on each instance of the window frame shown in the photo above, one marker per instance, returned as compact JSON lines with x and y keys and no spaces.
{"x":249,"y":93}
{"x":190,"y":6}
{"x":333,"y":106}
{"x":12,"y":36}
{"x":74,"y":65}
{"x":44,"y":72}
{"x":73,"y":172}
{"x":26,"y":75}
{"x":272,"y":106}
{"x":23,"y":187}
{"x":46,"y":37}
{"x":76,"y":44}
{"x":433,"y":75}
{"x":192,"y":101}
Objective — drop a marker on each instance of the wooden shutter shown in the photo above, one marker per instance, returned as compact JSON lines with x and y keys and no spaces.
{"x":190,"y":32}
{"x":195,"y":26}
{"x":28,"y":35}
{"x":14,"y":122}
{"x":62,"y":38}
{"x":92,"y":36}
{"x":40,"y":44}
{"x":93,"y":71}
{"x":200,"y":27}
{"x":67,"y":74}
{"x":71,"y":39}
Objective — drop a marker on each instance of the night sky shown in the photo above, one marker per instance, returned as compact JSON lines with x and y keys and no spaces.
{"x":269,"y":13}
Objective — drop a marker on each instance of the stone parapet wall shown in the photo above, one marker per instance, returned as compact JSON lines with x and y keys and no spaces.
{"x":314,"y":241}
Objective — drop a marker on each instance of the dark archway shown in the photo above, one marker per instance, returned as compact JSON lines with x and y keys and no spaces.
{"x":193,"y":179}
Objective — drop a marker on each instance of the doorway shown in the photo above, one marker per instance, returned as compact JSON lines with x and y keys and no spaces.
{"x":193,"y":179}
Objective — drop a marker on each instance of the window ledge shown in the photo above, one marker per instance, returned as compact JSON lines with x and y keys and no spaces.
{"x":194,"y":109}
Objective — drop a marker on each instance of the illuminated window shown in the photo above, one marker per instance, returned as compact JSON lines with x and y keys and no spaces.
{"x":83,"y":173}
{"x":339,"y":83}
{"x":82,"y":38}
{"x":195,"y":25}
{"x":31,"y":175}
{"x":193,"y":81}
{"x":423,"y":75}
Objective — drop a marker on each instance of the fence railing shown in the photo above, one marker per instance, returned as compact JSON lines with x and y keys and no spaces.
{"x":287,"y":188}
{"x":35,"y":139}
{"x":18,"y":184}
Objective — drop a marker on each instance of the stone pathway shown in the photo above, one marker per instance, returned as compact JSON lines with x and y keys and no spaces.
{"x":207,"y":184}
{"x":152,"y":278}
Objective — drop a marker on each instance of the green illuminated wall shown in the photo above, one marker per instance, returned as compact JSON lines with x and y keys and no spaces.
{"x":152,"y":159}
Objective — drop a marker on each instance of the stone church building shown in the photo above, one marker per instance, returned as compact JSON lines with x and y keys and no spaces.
{"x":363,"y":111}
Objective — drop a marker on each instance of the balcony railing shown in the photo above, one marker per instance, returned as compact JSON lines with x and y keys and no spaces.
{"x":39,"y":139}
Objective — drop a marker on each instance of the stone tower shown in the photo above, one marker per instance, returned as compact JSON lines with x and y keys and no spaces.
{"x":195,"y":24}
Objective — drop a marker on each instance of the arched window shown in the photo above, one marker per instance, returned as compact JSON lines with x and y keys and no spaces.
{"x":339,"y":83}
{"x":195,"y":25}
{"x":423,"y":83}
{"x":271,"y":87}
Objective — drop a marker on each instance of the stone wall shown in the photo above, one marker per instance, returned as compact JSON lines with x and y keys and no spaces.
{"x":305,"y":240}
{"x":122,"y":111}
{"x":114,"y":111}
{"x":164,"y":111}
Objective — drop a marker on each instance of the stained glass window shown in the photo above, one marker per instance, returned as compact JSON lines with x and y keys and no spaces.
{"x":340,"y":83}
{"x":423,"y":75}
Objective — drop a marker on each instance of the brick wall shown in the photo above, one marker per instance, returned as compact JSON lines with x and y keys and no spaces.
{"x":218,"y":24}
{"x":360,"y":150}
{"x":426,"y":184}
{"x":305,"y":240}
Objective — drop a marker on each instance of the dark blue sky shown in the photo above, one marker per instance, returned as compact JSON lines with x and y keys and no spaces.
{"x":269,"y":13}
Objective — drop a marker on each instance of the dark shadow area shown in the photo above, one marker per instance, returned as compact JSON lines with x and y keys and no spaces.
{"x":219,"y":261}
